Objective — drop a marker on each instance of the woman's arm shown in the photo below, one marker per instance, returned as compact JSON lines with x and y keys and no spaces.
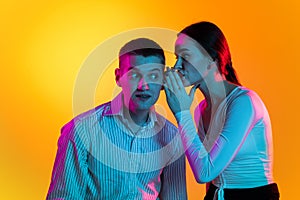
{"x":207,"y":165}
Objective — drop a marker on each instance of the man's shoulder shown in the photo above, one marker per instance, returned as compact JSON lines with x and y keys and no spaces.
{"x":90,"y":116}
{"x":86,"y":120}
{"x":165,"y":123}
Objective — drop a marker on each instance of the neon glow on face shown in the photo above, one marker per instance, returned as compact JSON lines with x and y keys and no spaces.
{"x":192,"y":60}
{"x":141,"y":81}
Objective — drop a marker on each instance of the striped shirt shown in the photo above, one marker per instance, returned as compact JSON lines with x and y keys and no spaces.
{"x":101,"y":156}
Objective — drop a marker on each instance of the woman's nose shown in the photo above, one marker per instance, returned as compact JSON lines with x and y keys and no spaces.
{"x":178,"y":64}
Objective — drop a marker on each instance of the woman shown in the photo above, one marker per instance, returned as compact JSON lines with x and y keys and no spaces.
{"x":230,"y":145}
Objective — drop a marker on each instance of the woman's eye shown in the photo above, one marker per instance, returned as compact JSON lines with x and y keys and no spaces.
{"x":185,"y":56}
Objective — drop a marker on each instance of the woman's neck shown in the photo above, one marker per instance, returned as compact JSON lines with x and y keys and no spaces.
{"x":216,"y":91}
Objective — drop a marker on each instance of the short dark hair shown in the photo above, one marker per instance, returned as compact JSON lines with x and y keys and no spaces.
{"x":212,"y":39}
{"x":143,"y":47}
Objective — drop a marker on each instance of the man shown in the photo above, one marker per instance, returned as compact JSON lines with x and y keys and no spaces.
{"x":123,"y":149}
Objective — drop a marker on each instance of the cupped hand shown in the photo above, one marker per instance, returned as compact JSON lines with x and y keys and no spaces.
{"x":177,"y":98}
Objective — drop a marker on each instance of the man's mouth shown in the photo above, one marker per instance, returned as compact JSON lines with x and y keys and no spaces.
{"x":143,"y":96}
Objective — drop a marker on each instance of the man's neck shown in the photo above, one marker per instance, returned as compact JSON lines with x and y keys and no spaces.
{"x":136,"y":117}
{"x":139,"y":117}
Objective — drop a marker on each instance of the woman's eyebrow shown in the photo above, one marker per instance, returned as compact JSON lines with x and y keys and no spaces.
{"x":181,"y":50}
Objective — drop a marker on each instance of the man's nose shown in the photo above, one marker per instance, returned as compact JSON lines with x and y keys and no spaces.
{"x":143,"y":84}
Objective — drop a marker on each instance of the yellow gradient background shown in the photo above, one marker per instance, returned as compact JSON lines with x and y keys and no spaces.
{"x":44,"y":43}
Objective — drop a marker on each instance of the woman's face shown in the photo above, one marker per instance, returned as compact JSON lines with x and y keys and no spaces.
{"x":192,"y":60}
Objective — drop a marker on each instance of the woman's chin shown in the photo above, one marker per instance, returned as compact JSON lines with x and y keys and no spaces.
{"x":187,"y":83}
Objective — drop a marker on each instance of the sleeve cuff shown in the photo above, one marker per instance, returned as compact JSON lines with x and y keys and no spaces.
{"x":183,"y":116}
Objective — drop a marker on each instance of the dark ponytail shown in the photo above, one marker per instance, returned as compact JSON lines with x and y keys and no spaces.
{"x":211,"y":38}
{"x":231,"y":74}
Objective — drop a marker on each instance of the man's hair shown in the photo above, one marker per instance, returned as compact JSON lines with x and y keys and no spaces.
{"x":142,"y":47}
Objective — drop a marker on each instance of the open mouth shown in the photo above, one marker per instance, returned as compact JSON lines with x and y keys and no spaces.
{"x":143,"y":96}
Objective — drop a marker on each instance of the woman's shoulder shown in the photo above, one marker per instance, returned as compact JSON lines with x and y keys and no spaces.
{"x":242,"y":92}
{"x":245,"y":93}
{"x":244,"y":97}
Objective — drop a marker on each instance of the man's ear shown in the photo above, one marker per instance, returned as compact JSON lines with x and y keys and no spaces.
{"x":117,"y":76}
{"x":164,"y":78}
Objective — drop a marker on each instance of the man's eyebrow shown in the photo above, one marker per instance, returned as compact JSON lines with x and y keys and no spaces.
{"x":133,"y":68}
{"x":136,"y":69}
{"x":155,"y":69}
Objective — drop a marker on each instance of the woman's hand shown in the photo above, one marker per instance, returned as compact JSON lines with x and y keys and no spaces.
{"x":177,"y":98}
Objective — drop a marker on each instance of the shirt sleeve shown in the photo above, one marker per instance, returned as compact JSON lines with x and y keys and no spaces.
{"x":173,"y":181}
{"x":70,"y":168}
{"x":207,"y":165}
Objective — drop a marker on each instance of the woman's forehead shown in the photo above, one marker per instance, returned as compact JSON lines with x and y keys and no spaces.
{"x":186,"y":43}
{"x":184,"y":39}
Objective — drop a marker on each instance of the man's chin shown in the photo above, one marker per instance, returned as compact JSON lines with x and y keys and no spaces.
{"x":141,"y":106}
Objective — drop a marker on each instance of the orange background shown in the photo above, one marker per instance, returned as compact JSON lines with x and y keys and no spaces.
{"x":44,"y":43}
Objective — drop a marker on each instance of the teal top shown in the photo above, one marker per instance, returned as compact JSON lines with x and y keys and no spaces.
{"x":236,"y":151}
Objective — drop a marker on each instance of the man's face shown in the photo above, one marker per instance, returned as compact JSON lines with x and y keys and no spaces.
{"x":141,"y":79}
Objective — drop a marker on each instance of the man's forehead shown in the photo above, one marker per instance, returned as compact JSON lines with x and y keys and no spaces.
{"x":141,"y":62}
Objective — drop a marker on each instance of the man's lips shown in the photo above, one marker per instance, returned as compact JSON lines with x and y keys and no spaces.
{"x":142,"y":95}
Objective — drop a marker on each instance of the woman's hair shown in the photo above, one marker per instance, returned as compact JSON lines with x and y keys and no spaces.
{"x":211,"y":38}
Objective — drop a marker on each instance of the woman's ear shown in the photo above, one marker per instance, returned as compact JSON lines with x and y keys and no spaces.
{"x":117,"y":76}
{"x":212,"y":64}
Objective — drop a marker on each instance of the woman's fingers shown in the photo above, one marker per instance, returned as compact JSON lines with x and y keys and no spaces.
{"x":172,"y":99}
{"x":178,"y":81}
{"x":177,"y":97}
{"x":173,"y":81}
{"x":192,"y":91}
{"x":169,"y":83}
{"x":167,"y":89}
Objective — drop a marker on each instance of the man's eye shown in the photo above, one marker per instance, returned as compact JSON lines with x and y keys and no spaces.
{"x":134,"y":75}
{"x":154,"y":76}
